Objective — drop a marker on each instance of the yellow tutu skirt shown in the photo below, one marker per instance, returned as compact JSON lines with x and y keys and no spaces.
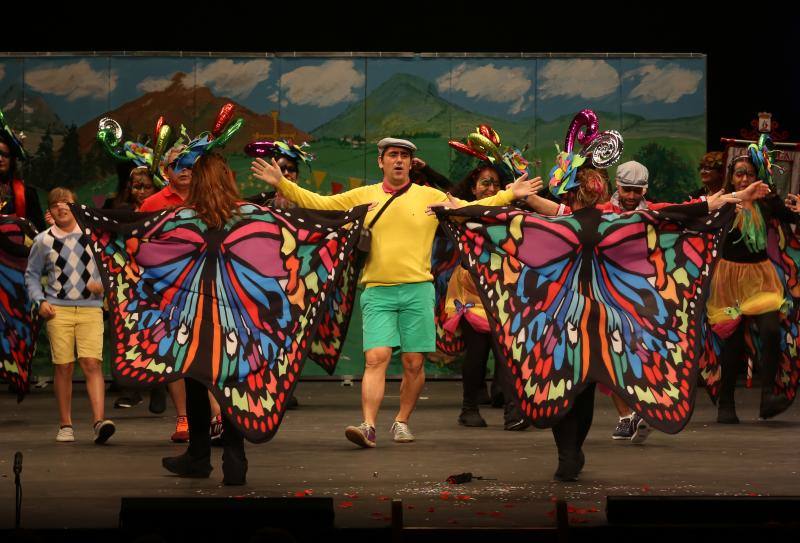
{"x":743,"y":289}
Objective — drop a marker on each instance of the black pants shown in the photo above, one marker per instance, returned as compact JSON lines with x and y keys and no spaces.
{"x":473,"y":371}
{"x":198,"y":410}
{"x":571,"y":431}
{"x":733,"y":349}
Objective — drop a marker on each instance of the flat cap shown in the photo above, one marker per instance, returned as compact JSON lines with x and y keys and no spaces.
{"x":632,"y":174}
{"x":395,"y":142}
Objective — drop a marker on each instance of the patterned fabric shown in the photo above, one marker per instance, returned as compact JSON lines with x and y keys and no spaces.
{"x":19,"y":323}
{"x":69,"y":265}
{"x":783,"y":250}
{"x":235,"y":308}
{"x":587,"y":298}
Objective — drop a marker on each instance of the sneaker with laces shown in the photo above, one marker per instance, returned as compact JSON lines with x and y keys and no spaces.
{"x":401,"y":433}
{"x":624,"y":429}
{"x":362,"y":435}
{"x":103,"y":429}
{"x":181,"y":434}
{"x":641,"y":429}
{"x":216,"y":431}
{"x":65,"y":434}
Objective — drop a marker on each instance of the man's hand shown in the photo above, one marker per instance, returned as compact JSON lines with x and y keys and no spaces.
{"x":95,"y":287}
{"x":417,"y":163}
{"x":47,"y":311}
{"x":524,"y":187}
{"x":719,"y":199}
{"x":450,"y":203}
{"x":269,"y":172}
{"x":792,"y":202}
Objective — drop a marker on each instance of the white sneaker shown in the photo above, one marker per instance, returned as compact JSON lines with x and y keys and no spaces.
{"x":65,"y":434}
{"x":401,"y":433}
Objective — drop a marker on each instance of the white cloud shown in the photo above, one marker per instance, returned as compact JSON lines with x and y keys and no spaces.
{"x":73,"y":81}
{"x":154,"y":84}
{"x":667,"y":84}
{"x":499,"y":85}
{"x":325,"y":85}
{"x":233,"y":79}
{"x":582,"y":78}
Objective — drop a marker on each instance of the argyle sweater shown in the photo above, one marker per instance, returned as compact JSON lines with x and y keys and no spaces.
{"x":66,"y":260}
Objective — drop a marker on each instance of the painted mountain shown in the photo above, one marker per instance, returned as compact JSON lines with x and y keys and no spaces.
{"x":197,"y":108}
{"x":34,"y":115}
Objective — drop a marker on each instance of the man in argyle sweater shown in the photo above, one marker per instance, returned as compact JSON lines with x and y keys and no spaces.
{"x":72,"y":304}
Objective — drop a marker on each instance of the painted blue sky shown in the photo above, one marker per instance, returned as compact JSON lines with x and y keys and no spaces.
{"x":310,"y":92}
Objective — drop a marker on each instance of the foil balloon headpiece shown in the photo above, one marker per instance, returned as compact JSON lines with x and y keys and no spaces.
{"x":604,"y":149}
{"x":276,"y":148}
{"x":12,"y":139}
{"x":761,"y":155}
{"x":109,"y":134}
{"x":484,"y":144}
{"x":206,"y":142}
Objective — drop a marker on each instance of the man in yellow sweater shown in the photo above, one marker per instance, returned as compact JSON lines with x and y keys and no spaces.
{"x":397,"y":304}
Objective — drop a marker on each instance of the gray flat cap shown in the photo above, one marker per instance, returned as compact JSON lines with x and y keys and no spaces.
{"x":395,"y":142}
{"x":632,"y":174}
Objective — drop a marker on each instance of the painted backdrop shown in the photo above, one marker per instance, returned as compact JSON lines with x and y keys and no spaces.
{"x":343,"y":106}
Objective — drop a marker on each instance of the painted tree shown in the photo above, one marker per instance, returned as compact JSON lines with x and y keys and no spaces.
{"x":671,"y":177}
{"x":68,"y":164}
{"x":40,"y":169}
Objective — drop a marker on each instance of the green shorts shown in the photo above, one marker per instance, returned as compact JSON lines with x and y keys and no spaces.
{"x":399,"y":315}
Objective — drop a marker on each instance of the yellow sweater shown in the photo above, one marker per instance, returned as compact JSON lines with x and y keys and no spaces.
{"x":402,"y":238}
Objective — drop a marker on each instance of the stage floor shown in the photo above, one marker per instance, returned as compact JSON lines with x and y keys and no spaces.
{"x":79,"y":485}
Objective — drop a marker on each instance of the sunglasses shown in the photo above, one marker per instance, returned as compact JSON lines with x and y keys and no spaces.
{"x":288,"y":169}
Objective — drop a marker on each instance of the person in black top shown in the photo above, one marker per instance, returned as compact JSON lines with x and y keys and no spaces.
{"x":712,"y":174}
{"x":16,"y":198}
{"x":746,"y":286}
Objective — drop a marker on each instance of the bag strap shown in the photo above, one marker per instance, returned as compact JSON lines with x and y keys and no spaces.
{"x":389,"y":201}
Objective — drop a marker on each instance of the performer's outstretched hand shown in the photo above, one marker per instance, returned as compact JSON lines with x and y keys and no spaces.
{"x":719,"y":199}
{"x":754,"y":191}
{"x":269,"y":172}
{"x":537,"y":184}
{"x":450,"y":203}
{"x":523,"y":187}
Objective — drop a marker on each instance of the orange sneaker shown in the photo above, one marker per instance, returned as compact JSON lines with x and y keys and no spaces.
{"x":181,"y":434}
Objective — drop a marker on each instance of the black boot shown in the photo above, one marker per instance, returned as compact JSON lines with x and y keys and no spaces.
{"x":188,"y":466}
{"x":772,"y":404}
{"x":471,"y":416}
{"x":726,"y":414}
{"x":234,"y":461}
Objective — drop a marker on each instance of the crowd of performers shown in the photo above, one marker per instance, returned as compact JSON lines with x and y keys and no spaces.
{"x":219,"y":299}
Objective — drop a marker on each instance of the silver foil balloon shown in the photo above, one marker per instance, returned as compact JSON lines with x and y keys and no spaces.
{"x":606,"y":148}
{"x":107,"y":124}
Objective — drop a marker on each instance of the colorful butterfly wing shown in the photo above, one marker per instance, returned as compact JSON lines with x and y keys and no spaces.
{"x":234,"y":308}
{"x":444,"y":259}
{"x":588,"y":298}
{"x":19,"y":324}
{"x":523,"y":266}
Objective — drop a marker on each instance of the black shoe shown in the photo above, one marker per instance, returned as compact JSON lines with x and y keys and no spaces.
{"x":158,"y":400}
{"x":186,"y":466}
{"x":567,"y":472}
{"x":292,"y":403}
{"x":470,"y":416}
{"x":516,"y":425}
{"x":772,"y":405}
{"x":234,"y":467}
{"x":124,"y":402}
{"x":726,"y":414}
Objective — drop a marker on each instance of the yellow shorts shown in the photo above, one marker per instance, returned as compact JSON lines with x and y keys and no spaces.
{"x":75,"y":328}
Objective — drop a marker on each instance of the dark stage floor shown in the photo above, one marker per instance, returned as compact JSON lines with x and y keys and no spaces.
{"x":79,"y":485}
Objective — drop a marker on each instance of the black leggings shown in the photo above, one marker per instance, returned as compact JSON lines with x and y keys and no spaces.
{"x":733,"y":349}
{"x":198,"y":410}
{"x":571,"y":431}
{"x":473,"y":371}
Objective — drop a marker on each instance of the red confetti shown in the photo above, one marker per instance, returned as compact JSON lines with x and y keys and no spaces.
{"x":303,"y":493}
{"x":752,"y":493}
{"x":345,"y":505}
{"x":496,"y":514}
{"x":464,"y":498}
{"x":383,"y":498}
{"x":444,"y":495}
{"x":509,"y":506}
{"x":352,"y":496}
{"x":554,"y":499}
{"x":431,"y":509}
{"x":645,"y":488}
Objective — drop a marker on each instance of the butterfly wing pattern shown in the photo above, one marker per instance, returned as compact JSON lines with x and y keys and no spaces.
{"x":19,"y":324}
{"x":444,"y":259}
{"x":236,"y":308}
{"x":614,"y":299}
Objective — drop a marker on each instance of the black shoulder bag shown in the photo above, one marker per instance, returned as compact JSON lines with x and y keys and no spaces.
{"x":365,"y":239}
